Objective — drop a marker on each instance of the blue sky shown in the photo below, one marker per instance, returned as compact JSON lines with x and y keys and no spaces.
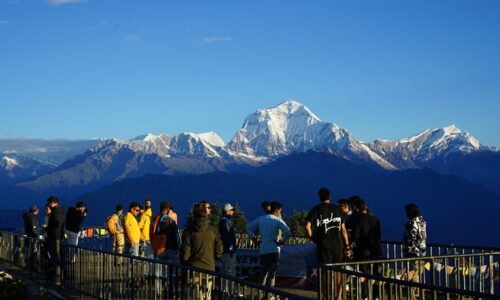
{"x":381,"y":69}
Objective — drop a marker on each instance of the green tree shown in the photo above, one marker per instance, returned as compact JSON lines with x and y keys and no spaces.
{"x":215,"y":214}
{"x":297,"y":222}
{"x":240,"y":221}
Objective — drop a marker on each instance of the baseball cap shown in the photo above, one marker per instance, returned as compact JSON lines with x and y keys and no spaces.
{"x":228,"y":206}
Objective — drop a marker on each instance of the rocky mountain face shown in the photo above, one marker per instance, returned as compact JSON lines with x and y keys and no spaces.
{"x":266,"y":135}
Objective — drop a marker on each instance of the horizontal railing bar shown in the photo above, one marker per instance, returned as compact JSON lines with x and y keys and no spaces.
{"x":411,"y":283}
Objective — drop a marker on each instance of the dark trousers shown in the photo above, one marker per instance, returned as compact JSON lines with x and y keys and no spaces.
{"x":268,"y":267}
{"x":54,"y":247}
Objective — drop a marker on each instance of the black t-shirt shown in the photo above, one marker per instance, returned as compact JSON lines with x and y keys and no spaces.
{"x":326,"y":220}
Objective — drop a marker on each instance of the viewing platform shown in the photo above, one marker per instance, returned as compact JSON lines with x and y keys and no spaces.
{"x":447,"y":272}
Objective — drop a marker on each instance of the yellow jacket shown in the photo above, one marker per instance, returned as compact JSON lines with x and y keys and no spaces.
{"x":149,"y":212}
{"x":144,"y":225}
{"x":132,"y":231}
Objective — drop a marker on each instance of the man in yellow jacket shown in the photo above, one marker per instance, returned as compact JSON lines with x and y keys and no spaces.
{"x":144,"y":226}
{"x":132,"y":230}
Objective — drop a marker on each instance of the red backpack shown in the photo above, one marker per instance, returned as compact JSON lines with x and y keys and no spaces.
{"x":158,"y":240}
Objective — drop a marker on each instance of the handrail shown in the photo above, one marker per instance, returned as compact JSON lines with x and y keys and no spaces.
{"x":71,"y":250}
{"x":412,"y":284}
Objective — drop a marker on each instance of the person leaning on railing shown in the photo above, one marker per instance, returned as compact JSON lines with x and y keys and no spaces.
{"x":414,"y":238}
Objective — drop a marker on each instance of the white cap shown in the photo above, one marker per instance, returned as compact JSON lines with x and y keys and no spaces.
{"x":228,"y":206}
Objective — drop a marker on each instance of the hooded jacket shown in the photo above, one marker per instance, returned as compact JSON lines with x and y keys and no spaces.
{"x":30,"y":224}
{"x":201,"y":245}
{"x":55,"y":225}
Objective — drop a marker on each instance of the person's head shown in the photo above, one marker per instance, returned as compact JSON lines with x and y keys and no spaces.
{"x":344,"y":206}
{"x":80,"y":206}
{"x":228,"y":210}
{"x":266,"y":206}
{"x":134,"y":208}
{"x":34,"y":209}
{"x":141,"y":209}
{"x":52,"y":201}
{"x":412,"y":211}
{"x":147,"y":203}
{"x":275,"y":208}
{"x":119,"y":209}
{"x":324,"y":195}
{"x":206,"y":207}
{"x":164,"y":207}
{"x":199,"y":211}
{"x":360,"y":206}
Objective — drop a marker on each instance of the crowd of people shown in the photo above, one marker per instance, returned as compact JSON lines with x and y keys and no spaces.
{"x":346,"y":231}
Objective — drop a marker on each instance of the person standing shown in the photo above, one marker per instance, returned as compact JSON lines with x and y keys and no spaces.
{"x":366,"y":236}
{"x":414,"y":241}
{"x":164,"y":234}
{"x":228,"y":236}
{"x":268,"y":227}
{"x":74,"y":220}
{"x":325,"y":227}
{"x":115,"y":229}
{"x":31,"y":230}
{"x":201,"y":246}
{"x":31,"y":222}
{"x":55,"y":234}
{"x":132,"y":231}
{"x":147,"y":208}
{"x":144,"y":226}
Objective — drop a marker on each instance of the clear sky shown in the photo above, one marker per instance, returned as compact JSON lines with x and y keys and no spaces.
{"x":381,"y":69}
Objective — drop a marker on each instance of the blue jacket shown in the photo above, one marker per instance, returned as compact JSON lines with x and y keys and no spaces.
{"x":268,"y":227}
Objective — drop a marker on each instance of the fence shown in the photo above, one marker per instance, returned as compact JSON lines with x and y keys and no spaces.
{"x":337,"y":281}
{"x":106,"y":275}
{"x":464,"y":274}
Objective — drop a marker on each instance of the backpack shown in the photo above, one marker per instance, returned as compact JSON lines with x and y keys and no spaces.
{"x":158,"y":240}
{"x":110,"y":225}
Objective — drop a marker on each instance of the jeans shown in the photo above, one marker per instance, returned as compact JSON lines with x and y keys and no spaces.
{"x":268,"y":267}
{"x":133,"y":251}
{"x":148,"y":250}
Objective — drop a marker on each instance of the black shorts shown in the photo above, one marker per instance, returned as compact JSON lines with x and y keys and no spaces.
{"x":329,"y":255}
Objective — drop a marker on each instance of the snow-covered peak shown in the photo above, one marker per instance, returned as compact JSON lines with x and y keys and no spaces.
{"x":8,"y":162}
{"x":425,"y":146}
{"x":212,"y":138}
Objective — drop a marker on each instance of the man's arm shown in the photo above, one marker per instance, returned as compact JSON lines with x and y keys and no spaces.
{"x":346,"y":241}
{"x":219,"y":247}
{"x":286,"y":231}
{"x":252,"y":229}
{"x":186,"y":247}
{"x":309,"y":230}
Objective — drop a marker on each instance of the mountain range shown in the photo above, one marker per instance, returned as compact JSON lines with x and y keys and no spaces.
{"x":445,"y":162}
{"x":266,"y":135}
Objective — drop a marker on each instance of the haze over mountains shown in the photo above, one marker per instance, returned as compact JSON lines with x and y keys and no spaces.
{"x":268,"y":138}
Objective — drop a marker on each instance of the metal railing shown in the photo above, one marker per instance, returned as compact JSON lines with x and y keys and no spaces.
{"x":106,"y":275}
{"x":339,"y":282}
{"x":464,"y":273}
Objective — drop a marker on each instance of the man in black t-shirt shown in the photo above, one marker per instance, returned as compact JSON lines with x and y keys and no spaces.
{"x":325,"y":227}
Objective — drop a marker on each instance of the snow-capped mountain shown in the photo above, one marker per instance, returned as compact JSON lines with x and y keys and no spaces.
{"x":417,"y":150}
{"x":267,"y":135}
{"x":291,"y":127}
{"x":16,"y":168}
{"x":50,"y":151}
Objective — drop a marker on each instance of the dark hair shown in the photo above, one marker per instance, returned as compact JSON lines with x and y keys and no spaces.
{"x":360,"y":204}
{"x":324,"y":194}
{"x":52,"y":199}
{"x":343,"y":201}
{"x":134,"y":204}
{"x":412,"y":210}
{"x":147,"y":201}
{"x":164,"y":205}
{"x":275,"y":205}
{"x":353,"y":199}
{"x":198,"y":211}
{"x":265,"y":205}
{"x":80,"y":204}
{"x":119,"y":207}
